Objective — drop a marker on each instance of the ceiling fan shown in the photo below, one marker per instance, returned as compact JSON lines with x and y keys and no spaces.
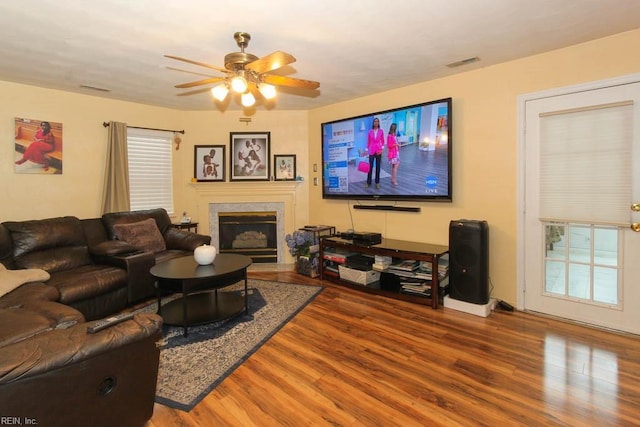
{"x":247,"y":74}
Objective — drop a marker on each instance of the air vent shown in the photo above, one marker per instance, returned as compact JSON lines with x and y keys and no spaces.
{"x":463,"y":62}
{"x":99,"y":89}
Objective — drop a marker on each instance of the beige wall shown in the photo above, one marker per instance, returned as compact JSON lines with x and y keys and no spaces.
{"x":289,"y":132}
{"x":78,"y":190}
{"x":485,"y":138}
{"x":485,"y":147}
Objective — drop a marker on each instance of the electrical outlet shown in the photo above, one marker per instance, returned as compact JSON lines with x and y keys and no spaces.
{"x":315,"y":167}
{"x":315,"y":181}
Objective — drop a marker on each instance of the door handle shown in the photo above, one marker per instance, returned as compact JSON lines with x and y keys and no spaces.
{"x":635,"y":207}
{"x":635,"y":227}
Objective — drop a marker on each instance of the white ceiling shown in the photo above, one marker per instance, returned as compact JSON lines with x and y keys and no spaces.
{"x":352,"y":47}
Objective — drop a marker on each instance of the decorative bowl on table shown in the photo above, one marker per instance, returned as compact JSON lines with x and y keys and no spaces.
{"x":205,"y":254}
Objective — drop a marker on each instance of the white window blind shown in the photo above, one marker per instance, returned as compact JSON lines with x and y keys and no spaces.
{"x":585,"y":158}
{"x":150,"y":169}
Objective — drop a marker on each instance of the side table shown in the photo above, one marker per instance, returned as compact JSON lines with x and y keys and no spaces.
{"x":186,"y":226}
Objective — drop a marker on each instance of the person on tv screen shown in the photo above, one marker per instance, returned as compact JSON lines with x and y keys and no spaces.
{"x":393,"y":153}
{"x":375,"y":145}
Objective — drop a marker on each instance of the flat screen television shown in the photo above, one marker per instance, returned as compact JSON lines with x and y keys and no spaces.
{"x":423,"y":134}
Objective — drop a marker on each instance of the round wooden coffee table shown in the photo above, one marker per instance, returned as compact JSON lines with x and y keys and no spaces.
{"x":201,"y":302}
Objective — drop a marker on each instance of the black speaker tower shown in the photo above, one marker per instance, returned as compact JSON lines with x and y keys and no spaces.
{"x":469,"y":261}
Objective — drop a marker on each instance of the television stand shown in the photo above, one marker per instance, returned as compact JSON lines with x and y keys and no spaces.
{"x":397,"y":250}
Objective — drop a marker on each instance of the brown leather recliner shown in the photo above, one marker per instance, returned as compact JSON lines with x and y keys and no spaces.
{"x":68,"y":377}
{"x":178,"y":243}
{"x":52,"y":371}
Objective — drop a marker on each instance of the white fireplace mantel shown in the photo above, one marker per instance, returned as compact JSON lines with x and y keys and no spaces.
{"x":246,"y":192}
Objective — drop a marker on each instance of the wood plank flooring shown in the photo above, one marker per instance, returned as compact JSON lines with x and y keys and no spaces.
{"x":355,"y":359}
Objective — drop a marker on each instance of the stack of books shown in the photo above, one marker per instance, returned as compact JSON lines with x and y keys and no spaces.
{"x":425,"y":270}
{"x":381,"y":263}
{"x":404,"y":267}
{"x":416,"y":287}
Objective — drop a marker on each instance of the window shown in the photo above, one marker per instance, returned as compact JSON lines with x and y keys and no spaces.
{"x":583,"y":262}
{"x":150,"y":169}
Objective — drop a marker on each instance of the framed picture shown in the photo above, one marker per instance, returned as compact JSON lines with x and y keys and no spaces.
{"x":208,"y":162}
{"x":249,"y":157}
{"x":284,"y":166}
{"x":37,"y":146}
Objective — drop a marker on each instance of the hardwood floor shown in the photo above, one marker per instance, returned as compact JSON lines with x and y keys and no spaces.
{"x":354,"y":359}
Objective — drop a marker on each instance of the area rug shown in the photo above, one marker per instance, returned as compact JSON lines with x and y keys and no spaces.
{"x":191,"y":367}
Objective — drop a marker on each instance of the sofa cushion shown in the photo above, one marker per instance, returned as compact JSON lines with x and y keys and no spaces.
{"x":52,"y":244}
{"x":87,"y":282}
{"x":143,"y":235}
{"x":33,"y":291}
{"x":159,"y":215}
{"x":11,"y":279}
{"x":33,"y":318}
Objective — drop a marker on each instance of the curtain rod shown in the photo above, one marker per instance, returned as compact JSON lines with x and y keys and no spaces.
{"x":106,"y":124}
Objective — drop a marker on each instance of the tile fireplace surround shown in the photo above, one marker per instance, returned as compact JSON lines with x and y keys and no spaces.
{"x":248,"y":197}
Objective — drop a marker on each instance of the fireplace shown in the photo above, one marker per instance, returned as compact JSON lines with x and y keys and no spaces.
{"x":218,"y":211}
{"x":249,"y":233}
{"x":278,"y":196}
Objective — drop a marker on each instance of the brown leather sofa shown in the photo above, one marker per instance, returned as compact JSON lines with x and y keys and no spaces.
{"x":54,"y":372}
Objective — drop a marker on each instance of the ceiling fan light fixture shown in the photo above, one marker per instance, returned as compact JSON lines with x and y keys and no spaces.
{"x":246,"y":75}
{"x":267,"y":90}
{"x":220,"y":92}
{"x":248,"y":99}
{"x":239,"y":83}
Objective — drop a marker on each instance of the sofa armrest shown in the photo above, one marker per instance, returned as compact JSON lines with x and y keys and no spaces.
{"x":140,"y":283}
{"x":111,"y":248}
{"x":184,"y":240}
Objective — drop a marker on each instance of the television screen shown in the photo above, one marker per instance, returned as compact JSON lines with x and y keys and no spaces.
{"x":399,"y":154}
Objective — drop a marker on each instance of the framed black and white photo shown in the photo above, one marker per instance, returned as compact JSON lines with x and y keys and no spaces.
{"x":250,"y":154}
{"x":208,"y":163}
{"x":284,"y":166}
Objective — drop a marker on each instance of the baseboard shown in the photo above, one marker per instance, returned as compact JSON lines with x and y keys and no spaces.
{"x":482,"y":310}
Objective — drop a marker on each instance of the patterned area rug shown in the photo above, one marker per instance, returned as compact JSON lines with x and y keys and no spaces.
{"x":190,"y":368}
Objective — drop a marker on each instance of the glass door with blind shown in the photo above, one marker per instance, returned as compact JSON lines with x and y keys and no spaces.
{"x":581,"y":256}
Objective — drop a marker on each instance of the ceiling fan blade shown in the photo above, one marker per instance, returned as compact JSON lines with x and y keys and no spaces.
{"x":290,"y":81}
{"x":200,"y":82}
{"x":271,"y":62}
{"x":194,"y":92}
{"x":189,"y":71}
{"x":202,"y":64}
